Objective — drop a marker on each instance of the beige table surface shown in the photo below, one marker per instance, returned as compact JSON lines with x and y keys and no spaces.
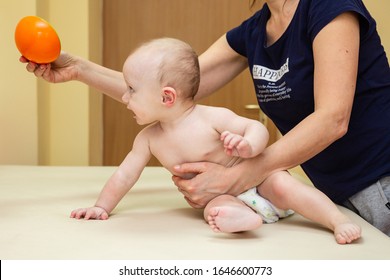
{"x":152,"y":222}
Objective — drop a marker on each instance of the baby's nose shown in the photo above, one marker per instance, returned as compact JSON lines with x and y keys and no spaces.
{"x":125,"y":98}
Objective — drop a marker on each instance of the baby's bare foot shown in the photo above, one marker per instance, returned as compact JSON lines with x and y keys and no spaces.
{"x":347,"y":232}
{"x":231,"y":219}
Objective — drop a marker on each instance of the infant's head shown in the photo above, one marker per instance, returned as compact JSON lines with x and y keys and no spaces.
{"x":172,"y":62}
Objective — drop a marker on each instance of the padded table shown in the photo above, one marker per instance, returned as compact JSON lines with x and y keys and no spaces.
{"x":153,"y":221}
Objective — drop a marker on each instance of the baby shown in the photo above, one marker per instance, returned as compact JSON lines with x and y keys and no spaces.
{"x":163,"y":77}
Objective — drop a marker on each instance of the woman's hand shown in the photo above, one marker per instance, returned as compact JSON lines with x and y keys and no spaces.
{"x":62,"y":70}
{"x":211,"y":181}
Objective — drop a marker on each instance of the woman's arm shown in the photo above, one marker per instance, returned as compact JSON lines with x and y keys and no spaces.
{"x":336,"y":50}
{"x":68,"y":68}
{"x":219,"y":64}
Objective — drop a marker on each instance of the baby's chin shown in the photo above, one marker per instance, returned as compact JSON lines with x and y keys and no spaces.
{"x":138,"y":120}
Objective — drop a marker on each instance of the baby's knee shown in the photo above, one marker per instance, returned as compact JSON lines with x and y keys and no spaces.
{"x":278,"y":185}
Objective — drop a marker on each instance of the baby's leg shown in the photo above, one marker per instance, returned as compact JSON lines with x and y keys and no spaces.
{"x":227,"y":213}
{"x":286,"y":192}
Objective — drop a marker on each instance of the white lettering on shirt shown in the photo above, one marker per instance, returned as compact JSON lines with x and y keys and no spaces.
{"x":264,"y":73}
{"x":275,"y":88}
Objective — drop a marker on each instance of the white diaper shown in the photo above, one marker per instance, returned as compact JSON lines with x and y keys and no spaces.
{"x":263,"y":207}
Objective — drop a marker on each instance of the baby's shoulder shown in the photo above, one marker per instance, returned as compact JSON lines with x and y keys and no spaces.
{"x":212,"y":111}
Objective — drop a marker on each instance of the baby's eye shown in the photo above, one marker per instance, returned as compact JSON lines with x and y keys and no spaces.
{"x":131,"y":90}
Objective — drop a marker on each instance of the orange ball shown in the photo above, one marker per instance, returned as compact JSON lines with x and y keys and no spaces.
{"x":37,"y":40}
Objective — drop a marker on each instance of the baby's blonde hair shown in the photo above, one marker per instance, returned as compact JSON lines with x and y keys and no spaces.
{"x":179,"y":65}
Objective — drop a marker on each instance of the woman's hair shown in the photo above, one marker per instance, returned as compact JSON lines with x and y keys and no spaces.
{"x":178,"y":67}
{"x":252,"y":3}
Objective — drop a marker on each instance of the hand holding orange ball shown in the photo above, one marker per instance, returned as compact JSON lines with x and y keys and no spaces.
{"x":37,"y":40}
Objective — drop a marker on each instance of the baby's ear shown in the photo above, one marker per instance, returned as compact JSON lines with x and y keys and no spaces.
{"x":168,"y":96}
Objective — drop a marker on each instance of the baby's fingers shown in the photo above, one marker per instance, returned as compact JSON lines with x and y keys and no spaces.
{"x":232,"y":141}
{"x":78,"y":213}
{"x":226,"y":137}
{"x":96,"y":214}
{"x":224,"y":134}
{"x":90,"y":214}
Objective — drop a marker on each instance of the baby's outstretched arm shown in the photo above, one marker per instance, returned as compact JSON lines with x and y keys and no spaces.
{"x":120,"y":182}
{"x":96,"y":213}
{"x":236,"y":145}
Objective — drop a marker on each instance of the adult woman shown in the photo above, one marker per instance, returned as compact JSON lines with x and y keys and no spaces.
{"x":321,"y":75}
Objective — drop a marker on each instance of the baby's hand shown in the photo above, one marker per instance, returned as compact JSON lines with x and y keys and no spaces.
{"x":95,"y":212}
{"x":236,"y":145}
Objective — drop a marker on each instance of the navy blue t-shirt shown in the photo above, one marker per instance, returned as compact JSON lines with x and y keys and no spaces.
{"x":283,"y":80}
